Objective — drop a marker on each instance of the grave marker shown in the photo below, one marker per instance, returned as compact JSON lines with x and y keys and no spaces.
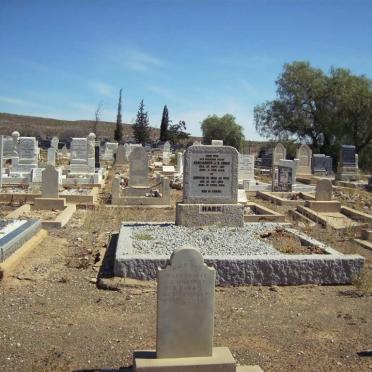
{"x":138,"y":167}
{"x":323,"y":190}
{"x":185,"y":306}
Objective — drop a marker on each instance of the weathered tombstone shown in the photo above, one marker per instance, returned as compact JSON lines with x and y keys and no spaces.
{"x":279,"y":153}
{"x":54,"y":143}
{"x":304,"y":155}
{"x":285,"y":179}
{"x":185,"y":320}
{"x":109,"y":151}
{"x":64,"y":151}
{"x":246,"y":167}
{"x":323,"y":191}
{"x":115,"y":191}
{"x":185,"y":306}
{"x":120,"y":156}
{"x":91,"y":144}
{"x":138,"y":167}
{"x":328,"y":165}
{"x":348,"y":154}
{"x":51,"y":156}
{"x":210,"y":187}
{"x":79,"y":151}
{"x":217,"y":143}
{"x":49,"y":182}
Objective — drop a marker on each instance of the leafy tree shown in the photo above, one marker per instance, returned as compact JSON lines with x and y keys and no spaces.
{"x":177,"y":132}
{"x":323,"y":110}
{"x":119,"y":127}
{"x":141,"y":126}
{"x":164,"y":136}
{"x":222,"y":128}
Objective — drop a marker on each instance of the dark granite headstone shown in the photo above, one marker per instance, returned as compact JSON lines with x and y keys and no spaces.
{"x":348,"y":156}
{"x":318,"y":163}
{"x":96,"y":156}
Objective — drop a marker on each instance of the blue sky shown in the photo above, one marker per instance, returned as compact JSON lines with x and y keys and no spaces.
{"x":61,"y":58}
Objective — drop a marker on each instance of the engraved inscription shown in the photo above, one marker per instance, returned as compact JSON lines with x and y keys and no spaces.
{"x":211,"y":208}
{"x":211,"y":174}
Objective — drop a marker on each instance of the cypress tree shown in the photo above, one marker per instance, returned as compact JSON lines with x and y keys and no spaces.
{"x":164,"y":135}
{"x":119,"y":128}
{"x":141,"y":128}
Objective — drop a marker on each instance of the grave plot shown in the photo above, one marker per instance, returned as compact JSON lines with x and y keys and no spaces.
{"x":240,"y":255}
{"x":257,"y":213}
{"x":14,"y":233}
{"x":51,"y":218}
{"x":19,"y":194}
{"x":285,"y":198}
{"x":80,"y":195}
{"x":366,"y":239}
{"x":330,"y":213}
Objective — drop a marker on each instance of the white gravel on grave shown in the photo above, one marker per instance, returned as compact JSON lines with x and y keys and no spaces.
{"x":210,"y":241}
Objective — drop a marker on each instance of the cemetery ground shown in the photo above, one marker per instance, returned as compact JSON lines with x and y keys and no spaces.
{"x":55,"y":318}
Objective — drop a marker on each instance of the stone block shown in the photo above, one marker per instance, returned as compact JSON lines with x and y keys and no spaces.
{"x":50,"y":203}
{"x":331,"y":206}
{"x":209,"y":214}
{"x":220,"y":361}
{"x":367,"y":235}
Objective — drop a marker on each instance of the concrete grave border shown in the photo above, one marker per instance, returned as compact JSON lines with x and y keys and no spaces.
{"x":332,"y":267}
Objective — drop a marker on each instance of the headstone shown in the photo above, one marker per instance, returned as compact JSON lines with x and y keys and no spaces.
{"x":54,"y":143}
{"x":51,"y":156}
{"x":36,"y":174}
{"x":210,"y":188}
{"x":285,"y":179}
{"x":348,"y":156}
{"x":321,"y":165}
{"x":91,"y":144}
{"x":49,"y":180}
{"x":279,"y":153}
{"x":347,"y":169}
{"x":97,"y":163}
{"x":138,"y":167}
{"x":79,"y":151}
{"x":185,"y":306}
{"x":8,"y":146}
{"x":120,"y":156}
{"x":211,"y":174}
{"x":109,"y":151}
{"x":323,"y":190}
{"x":246,"y":167}
{"x":304,"y":155}
{"x":217,"y":143}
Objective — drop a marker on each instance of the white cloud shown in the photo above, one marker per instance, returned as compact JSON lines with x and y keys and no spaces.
{"x":103,"y":89}
{"x":133,"y":58}
{"x":18,"y":102}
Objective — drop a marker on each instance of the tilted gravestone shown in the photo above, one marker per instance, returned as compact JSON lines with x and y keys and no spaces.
{"x":210,"y":187}
{"x":138,"y":167}
{"x":185,"y":306}
{"x":323,"y":190}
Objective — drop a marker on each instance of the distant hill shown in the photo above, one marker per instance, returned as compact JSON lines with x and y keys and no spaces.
{"x":47,"y":127}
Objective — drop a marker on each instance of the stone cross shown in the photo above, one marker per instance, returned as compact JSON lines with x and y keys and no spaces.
{"x":138,"y":167}
{"x":49,"y":181}
{"x":185,"y":309}
{"x":323,"y":191}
